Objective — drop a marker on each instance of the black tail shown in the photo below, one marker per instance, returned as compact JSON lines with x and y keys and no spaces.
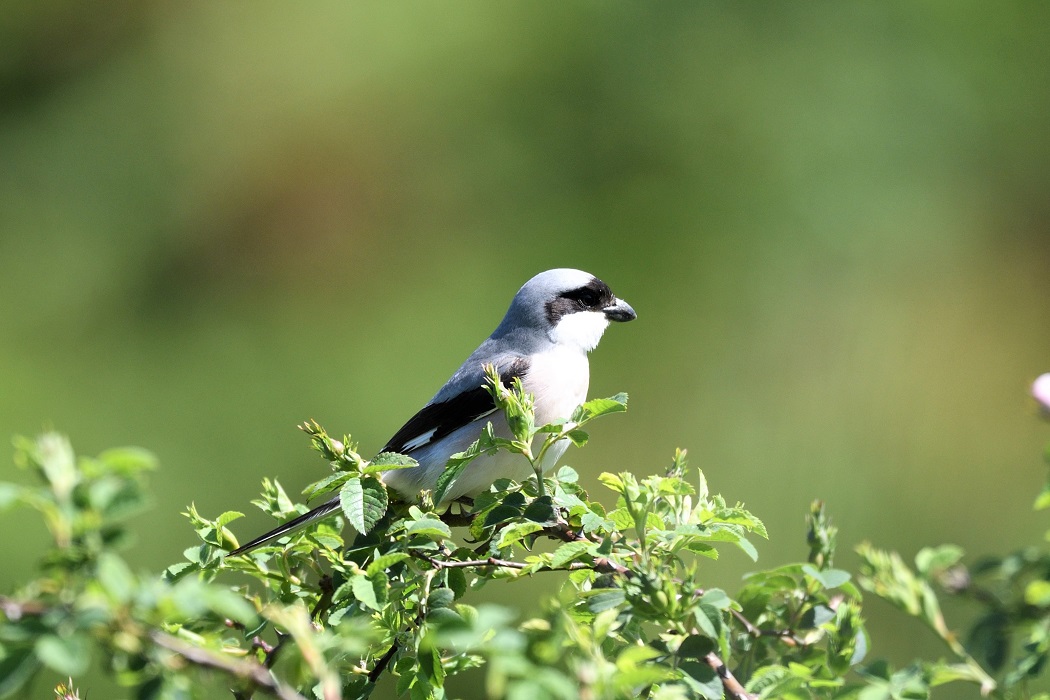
{"x":321,"y":511}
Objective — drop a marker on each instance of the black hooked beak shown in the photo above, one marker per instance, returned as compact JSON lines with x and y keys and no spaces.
{"x":620,"y":310}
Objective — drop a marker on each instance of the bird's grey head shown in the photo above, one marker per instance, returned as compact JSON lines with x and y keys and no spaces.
{"x":568,"y":307}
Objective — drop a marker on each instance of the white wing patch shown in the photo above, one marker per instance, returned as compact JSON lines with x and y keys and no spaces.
{"x":419,"y":440}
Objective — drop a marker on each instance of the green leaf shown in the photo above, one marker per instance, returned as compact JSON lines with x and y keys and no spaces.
{"x":457,"y":581}
{"x":329,"y":483}
{"x":708,"y":619}
{"x":567,"y":552}
{"x":448,"y":477}
{"x":516,"y":533}
{"x":1037,"y":593}
{"x":578,"y":437}
{"x":9,"y":494}
{"x":501,"y":514}
{"x":702,"y":679}
{"x":696,"y":646}
{"x":386,"y":561}
{"x":430,"y":527}
{"x":604,"y":599}
{"x":129,"y":460}
{"x":1043,"y":500}
{"x":364,"y":501}
{"x":58,"y":463}
{"x":613,"y":481}
{"x":228,"y":604}
{"x":227,"y":518}
{"x":389,"y":461}
{"x":931,"y":560}
{"x":115,"y":577}
{"x":16,"y":668}
{"x":69,"y":655}
{"x":600,"y":407}
{"x":716,"y":598}
{"x":542,"y":511}
{"x":369,"y":591}
{"x":829,"y":578}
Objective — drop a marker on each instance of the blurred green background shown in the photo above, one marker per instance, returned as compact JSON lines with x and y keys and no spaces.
{"x":219,"y":219}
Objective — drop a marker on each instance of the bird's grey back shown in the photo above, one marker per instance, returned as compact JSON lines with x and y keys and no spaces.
{"x":523,"y":331}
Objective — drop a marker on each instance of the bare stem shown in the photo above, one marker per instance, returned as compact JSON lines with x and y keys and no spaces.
{"x":732,"y":686}
{"x":256,"y":674}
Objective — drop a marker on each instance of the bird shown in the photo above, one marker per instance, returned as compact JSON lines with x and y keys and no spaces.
{"x":553,"y":322}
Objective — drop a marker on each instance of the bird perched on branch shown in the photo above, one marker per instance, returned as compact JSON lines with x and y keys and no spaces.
{"x":554,"y":320}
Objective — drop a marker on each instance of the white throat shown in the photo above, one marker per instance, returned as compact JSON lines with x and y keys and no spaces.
{"x":581,"y":330}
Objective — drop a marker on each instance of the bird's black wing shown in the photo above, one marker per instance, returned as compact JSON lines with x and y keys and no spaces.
{"x":433,"y":422}
{"x":436,"y":420}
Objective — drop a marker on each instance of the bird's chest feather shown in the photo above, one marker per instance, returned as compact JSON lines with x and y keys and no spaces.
{"x":558,"y":379}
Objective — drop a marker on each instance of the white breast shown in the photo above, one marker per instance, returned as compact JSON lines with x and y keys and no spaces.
{"x":558,"y":378}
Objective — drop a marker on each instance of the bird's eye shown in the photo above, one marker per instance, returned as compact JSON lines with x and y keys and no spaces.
{"x":587,"y":297}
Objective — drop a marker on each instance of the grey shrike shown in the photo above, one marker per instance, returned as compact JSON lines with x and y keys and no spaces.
{"x":554,"y":320}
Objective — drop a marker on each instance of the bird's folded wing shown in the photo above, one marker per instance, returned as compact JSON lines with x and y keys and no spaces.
{"x":440,"y":418}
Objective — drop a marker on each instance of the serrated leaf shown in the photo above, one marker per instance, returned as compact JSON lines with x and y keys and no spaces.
{"x":386,"y":561}
{"x":613,"y":481}
{"x":329,"y":483}
{"x":367,"y":592}
{"x":567,"y":475}
{"x":364,"y":501}
{"x":457,"y":581}
{"x":621,"y":518}
{"x":228,"y":517}
{"x":578,"y":437}
{"x":441,"y":598}
{"x":592,"y":521}
{"x":501,"y":514}
{"x":600,"y":407}
{"x":567,"y":552}
{"x":703,"y":549}
{"x":749,"y":549}
{"x":430,"y":527}
{"x":516,"y":533}
{"x":389,"y":461}
{"x":541,"y":511}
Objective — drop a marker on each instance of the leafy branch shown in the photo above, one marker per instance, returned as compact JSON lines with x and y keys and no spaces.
{"x":317,"y":615}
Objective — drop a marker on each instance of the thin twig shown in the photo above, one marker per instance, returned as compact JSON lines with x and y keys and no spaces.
{"x":383,"y":662}
{"x":256,"y":674}
{"x":600,"y":564}
{"x":785,"y":636}
{"x":732,"y":686}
